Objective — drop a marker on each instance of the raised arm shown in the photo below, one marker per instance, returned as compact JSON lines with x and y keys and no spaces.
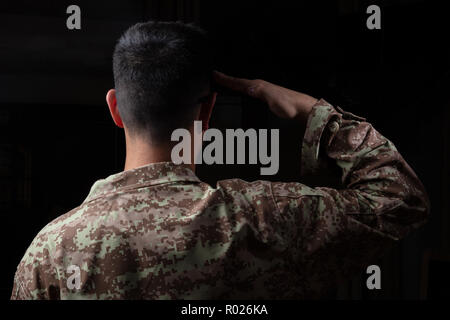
{"x":332,"y":232}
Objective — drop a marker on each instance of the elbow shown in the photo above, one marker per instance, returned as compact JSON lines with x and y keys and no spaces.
{"x":417,"y":207}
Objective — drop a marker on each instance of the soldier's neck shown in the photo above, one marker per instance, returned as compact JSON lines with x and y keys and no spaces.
{"x":140,"y":153}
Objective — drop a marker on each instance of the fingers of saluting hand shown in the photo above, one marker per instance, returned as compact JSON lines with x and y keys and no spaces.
{"x":252,"y":88}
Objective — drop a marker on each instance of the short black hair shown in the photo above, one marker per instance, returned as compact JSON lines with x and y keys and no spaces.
{"x":161,"y":70}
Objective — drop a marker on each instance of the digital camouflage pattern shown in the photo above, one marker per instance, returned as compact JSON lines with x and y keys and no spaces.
{"x":158,"y":232}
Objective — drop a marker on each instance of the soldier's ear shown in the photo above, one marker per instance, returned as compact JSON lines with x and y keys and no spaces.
{"x":111,"y":100}
{"x":206,"y":108}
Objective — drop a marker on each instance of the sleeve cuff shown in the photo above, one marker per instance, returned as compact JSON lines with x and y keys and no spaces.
{"x":322,"y":115}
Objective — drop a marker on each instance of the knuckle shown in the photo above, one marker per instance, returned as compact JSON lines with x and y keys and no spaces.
{"x":256,"y":87}
{"x":259,"y":82}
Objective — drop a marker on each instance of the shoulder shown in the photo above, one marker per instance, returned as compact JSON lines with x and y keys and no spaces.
{"x":53,"y":233}
{"x":40,"y":267}
{"x":240,"y":189}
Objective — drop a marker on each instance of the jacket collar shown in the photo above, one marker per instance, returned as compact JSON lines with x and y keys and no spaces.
{"x":148,"y":175}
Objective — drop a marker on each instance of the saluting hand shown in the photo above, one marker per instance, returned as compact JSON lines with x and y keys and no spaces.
{"x":283,"y":102}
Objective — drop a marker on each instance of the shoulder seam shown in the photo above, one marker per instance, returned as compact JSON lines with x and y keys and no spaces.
{"x":273,"y":199}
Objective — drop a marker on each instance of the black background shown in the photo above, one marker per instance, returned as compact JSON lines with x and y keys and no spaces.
{"x":57,"y":138}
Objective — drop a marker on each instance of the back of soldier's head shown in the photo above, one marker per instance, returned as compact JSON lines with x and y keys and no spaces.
{"x":161,"y":70}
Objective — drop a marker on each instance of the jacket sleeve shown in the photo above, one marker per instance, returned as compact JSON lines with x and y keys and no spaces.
{"x":379,"y":199}
{"x":19,"y":292}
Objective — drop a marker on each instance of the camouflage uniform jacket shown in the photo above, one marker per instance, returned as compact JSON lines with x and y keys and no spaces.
{"x":158,"y":232}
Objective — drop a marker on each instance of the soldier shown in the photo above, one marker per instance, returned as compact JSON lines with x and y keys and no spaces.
{"x":155,"y":231}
